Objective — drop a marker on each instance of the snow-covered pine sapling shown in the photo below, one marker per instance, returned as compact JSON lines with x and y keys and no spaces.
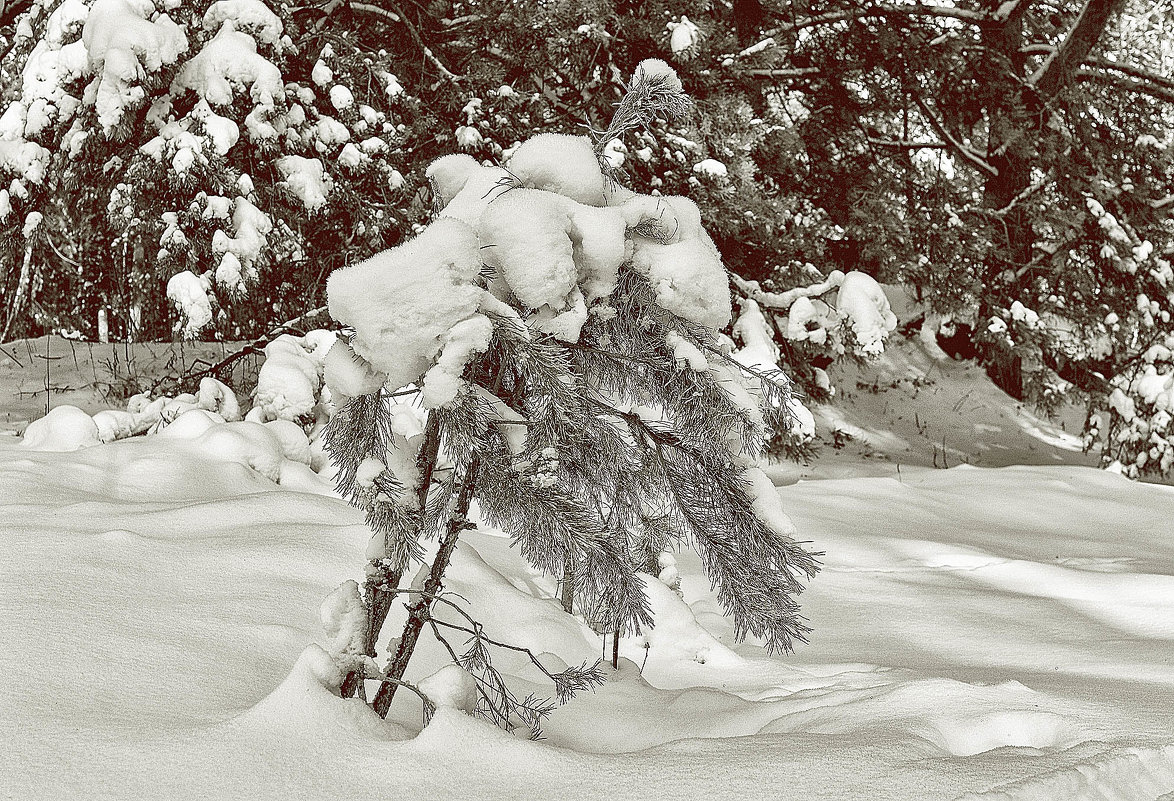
{"x":551,"y":346}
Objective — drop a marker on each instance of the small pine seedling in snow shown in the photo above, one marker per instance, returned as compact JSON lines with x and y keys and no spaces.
{"x":551,"y":346}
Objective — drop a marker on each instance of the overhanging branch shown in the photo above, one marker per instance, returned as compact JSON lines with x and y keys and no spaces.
{"x":900,"y":144}
{"x":966,"y":153}
{"x":882,"y":10}
{"x":798,"y":72}
{"x":1131,"y":70}
{"x":1125,"y":83}
{"x":871,"y":12}
{"x":396,"y":15}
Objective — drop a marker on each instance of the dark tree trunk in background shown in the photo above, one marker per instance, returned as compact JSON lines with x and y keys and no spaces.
{"x":1018,"y":110}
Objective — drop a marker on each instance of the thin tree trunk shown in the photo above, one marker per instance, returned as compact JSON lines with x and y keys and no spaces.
{"x":418,"y":610}
{"x":24,"y":282}
{"x":615,"y":650}
{"x":568,"y":584}
{"x":379,"y":600}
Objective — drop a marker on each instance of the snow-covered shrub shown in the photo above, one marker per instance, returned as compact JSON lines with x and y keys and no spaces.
{"x":841,"y":313}
{"x":198,"y":145}
{"x":1132,"y":426}
{"x":285,"y":421}
{"x":831,"y":317}
{"x":289,"y":383}
{"x":563,"y":334}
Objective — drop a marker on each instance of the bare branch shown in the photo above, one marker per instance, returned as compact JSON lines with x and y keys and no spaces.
{"x":1107,"y":64}
{"x":1133,"y":72}
{"x":256,"y":346}
{"x":1126,"y":84}
{"x":369,"y":8}
{"x":901,"y":144}
{"x":797,"y":72}
{"x":429,"y":707}
{"x":968,"y":154}
{"x":1011,"y":9}
{"x":396,"y":15}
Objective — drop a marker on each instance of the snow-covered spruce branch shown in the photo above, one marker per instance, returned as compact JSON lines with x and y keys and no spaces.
{"x":777,"y":386}
{"x":782,"y":301}
{"x":776,"y":380}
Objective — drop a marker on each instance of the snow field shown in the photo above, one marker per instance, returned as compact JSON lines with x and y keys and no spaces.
{"x":987,"y":634}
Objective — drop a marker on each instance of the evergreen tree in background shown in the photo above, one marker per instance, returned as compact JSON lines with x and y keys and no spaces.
{"x":1008,"y":163}
{"x":219,"y":158}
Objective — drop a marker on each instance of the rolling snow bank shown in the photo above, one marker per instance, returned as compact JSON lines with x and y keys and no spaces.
{"x":279,"y":437}
{"x":986,"y":634}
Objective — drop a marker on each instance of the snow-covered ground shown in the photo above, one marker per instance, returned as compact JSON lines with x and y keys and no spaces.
{"x":978,"y":633}
{"x":47,"y":372}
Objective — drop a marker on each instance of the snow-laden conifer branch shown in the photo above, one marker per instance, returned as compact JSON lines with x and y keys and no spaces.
{"x":654,"y":93}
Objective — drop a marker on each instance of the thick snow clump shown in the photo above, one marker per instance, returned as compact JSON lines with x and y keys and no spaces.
{"x":548,"y":232}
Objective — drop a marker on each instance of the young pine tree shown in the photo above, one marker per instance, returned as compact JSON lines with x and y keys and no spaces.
{"x":563,"y":337}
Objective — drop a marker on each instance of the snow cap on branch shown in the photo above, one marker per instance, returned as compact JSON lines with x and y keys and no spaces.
{"x":562,"y":164}
{"x":404,"y":301}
